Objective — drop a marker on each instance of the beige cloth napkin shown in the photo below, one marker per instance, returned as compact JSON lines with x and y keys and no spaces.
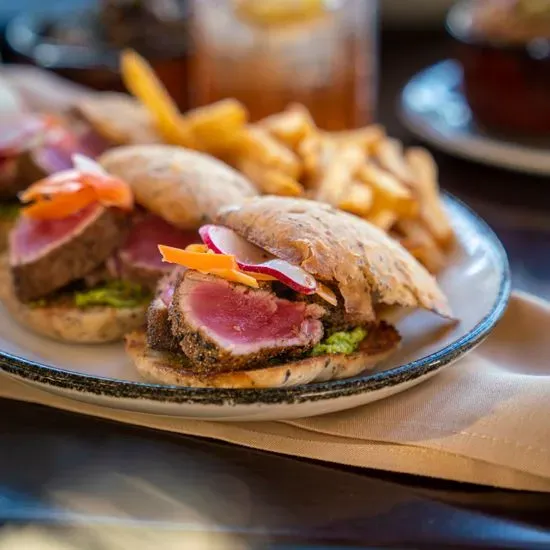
{"x":485,"y":420}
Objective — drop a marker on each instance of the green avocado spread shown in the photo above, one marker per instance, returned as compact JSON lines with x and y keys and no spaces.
{"x":340,"y":342}
{"x":9,"y":211}
{"x":118,"y":294}
{"x":41,"y":302}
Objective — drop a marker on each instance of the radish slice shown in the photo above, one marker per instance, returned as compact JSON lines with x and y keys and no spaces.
{"x":17,"y":131}
{"x":87,"y":165}
{"x":225,"y":241}
{"x":291,"y":275}
{"x":254,"y":259}
{"x":51,"y":159}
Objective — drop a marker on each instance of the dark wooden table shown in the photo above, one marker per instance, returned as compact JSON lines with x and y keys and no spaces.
{"x":97,"y":484}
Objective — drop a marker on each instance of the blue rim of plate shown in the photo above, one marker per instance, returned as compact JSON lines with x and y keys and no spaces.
{"x":125,"y":389}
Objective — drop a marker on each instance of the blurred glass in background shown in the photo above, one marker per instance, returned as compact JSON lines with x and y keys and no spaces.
{"x":268,"y":54}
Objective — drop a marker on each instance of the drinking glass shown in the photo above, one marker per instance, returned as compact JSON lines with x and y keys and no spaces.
{"x":271,"y":53}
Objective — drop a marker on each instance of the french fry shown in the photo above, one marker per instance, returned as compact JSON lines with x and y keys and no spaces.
{"x":424,"y":170}
{"x":339,"y":174}
{"x":389,"y":153}
{"x":367,"y":138}
{"x":389,"y":193}
{"x":358,"y":199}
{"x":416,"y":238}
{"x":315,"y":152}
{"x":384,"y":219}
{"x":143,"y":84}
{"x":361,"y":171}
{"x":269,"y":180}
{"x":308,"y":151}
{"x":215,"y":127}
{"x":290,"y":126}
{"x":257,"y":144}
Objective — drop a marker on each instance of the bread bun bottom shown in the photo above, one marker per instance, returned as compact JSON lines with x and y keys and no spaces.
{"x":5,"y":227}
{"x":168,"y":368}
{"x":65,"y":322}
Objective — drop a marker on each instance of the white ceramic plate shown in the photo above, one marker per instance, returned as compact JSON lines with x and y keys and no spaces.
{"x":478,"y":286}
{"x":433,"y":107}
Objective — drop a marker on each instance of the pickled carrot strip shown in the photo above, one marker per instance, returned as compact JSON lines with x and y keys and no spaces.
{"x":199,"y":248}
{"x":235,"y":276}
{"x":39,"y":191}
{"x":197,"y":260}
{"x":111,"y":191}
{"x":259,"y":276}
{"x":60,"y":206}
{"x":108,"y":190}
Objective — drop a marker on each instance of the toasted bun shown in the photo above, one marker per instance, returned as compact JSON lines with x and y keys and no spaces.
{"x":118,"y":118}
{"x":365,"y":263}
{"x":182,"y":186}
{"x":166,"y":368}
{"x":66,"y":323}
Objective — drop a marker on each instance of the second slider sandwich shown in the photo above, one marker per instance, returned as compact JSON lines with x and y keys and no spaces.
{"x":83,"y":257}
{"x":281,"y":292}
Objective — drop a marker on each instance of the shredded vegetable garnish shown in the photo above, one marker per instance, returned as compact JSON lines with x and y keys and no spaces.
{"x":66,"y":192}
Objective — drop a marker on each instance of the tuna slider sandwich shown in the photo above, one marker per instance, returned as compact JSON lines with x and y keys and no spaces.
{"x":33,"y":146}
{"x":282,"y":291}
{"x":83,"y":257}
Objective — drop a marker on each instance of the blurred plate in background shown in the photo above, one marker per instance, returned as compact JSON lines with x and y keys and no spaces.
{"x":434,"y":108}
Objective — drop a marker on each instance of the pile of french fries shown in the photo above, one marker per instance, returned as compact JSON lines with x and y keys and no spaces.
{"x":361,"y":171}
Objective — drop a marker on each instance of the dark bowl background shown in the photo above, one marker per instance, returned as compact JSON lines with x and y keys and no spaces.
{"x":506,"y":86}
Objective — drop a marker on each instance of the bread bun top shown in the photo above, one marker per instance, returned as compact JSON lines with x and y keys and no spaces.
{"x":184,"y":187}
{"x":367,"y":265}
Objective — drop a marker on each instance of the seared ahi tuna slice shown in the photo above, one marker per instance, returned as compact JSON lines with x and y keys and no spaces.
{"x":45,"y":255}
{"x":139,"y":258}
{"x":104,"y":273}
{"x":226,"y":326}
{"x":334,"y":319}
{"x":159,"y":328}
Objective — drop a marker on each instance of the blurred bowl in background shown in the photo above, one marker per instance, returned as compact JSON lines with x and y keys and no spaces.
{"x":72,"y":45}
{"x":506,"y":70}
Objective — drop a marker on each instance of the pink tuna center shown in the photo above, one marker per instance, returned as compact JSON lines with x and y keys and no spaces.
{"x":30,"y":237}
{"x":248,"y":317}
{"x":167,"y":294}
{"x":141,"y":246}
